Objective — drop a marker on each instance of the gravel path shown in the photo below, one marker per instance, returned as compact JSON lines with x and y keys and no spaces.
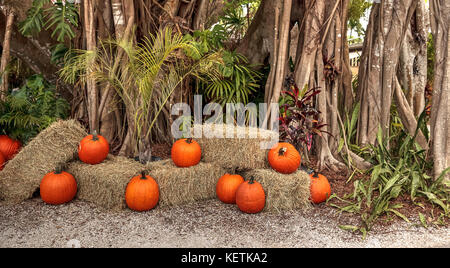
{"x":204,"y":224}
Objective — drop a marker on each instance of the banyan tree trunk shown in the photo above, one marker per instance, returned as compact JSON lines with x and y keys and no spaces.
{"x":412,"y":66}
{"x":388,"y":27}
{"x":440,"y":110}
{"x":321,"y":58}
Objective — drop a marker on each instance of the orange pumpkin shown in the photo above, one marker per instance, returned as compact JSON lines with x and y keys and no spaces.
{"x":284,"y":158}
{"x":227,"y":186}
{"x":250,"y":197}
{"x":320,"y":188}
{"x":58,"y":187}
{"x":186,"y":153}
{"x":2,"y":161}
{"x":142,"y":193}
{"x":9,"y":147}
{"x":93,"y":149}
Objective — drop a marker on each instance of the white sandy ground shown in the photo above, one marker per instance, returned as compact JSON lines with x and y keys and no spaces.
{"x":203,"y":224}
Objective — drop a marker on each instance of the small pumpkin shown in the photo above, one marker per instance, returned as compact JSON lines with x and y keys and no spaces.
{"x":9,"y":147}
{"x":58,"y":187}
{"x":186,"y":153}
{"x":93,"y":149}
{"x":250,"y":196}
{"x":2,"y":161}
{"x":142,"y":193}
{"x":284,"y":158}
{"x":227,"y":186}
{"x":320,"y":188}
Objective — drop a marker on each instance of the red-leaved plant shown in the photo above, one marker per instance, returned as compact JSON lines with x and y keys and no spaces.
{"x":298,"y":116}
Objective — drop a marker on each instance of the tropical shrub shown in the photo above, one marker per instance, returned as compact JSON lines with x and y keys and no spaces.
{"x":237,"y":79}
{"x":403,"y":169}
{"x":30,"y":109}
{"x":144,"y":75}
{"x":298,"y":116}
{"x":61,"y":16}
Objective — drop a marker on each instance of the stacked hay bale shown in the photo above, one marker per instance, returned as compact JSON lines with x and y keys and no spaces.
{"x":241,"y":149}
{"x":245,"y":152}
{"x":284,"y":192}
{"x":55,"y":145}
{"x":104,"y":184}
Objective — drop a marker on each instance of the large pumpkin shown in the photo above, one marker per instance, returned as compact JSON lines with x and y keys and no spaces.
{"x":58,"y":187}
{"x":142,"y":193}
{"x":284,"y":158}
{"x":250,"y":197}
{"x":186,"y":153}
{"x":93,"y":149}
{"x":9,"y":147}
{"x":2,"y":161}
{"x":320,"y":188}
{"x":227,"y":186}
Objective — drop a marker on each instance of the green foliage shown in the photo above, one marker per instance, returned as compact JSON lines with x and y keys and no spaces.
{"x":208,"y":40}
{"x":144,"y":75}
{"x":61,"y":16}
{"x":236,"y":82}
{"x":31,"y":109}
{"x":237,"y":79}
{"x":237,"y":17}
{"x":357,"y":9}
{"x":396,"y":171}
{"x":59,"y":51}
{"x":349,"y":130}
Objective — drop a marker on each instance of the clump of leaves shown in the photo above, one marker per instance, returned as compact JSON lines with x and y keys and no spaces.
{"x":237,"y":16}
{"x":32,"y":108}
{"x":298,"y":116}
{"x":395,"y":172}
{"x":357,"y":9}
{"x":237,"y":79}
{"x":236,"y":82}
{"x":61,"y":16}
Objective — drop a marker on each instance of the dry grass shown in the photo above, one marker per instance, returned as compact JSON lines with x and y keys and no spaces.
{"x":104,"y":184}
{"x":55,"y":145}
{"x":284,"y":192}
{"x":242,"y":151}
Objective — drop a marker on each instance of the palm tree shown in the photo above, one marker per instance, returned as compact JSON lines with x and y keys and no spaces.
{"x":144,"y":76}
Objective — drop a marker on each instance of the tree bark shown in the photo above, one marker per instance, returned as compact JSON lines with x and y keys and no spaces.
{"x":321,"y":58}
{"x":412,"y":67}
{"x":384,"y":36}
{"x":322,"y":61}
{"x":407,"y":115}
{"x":440,"y":112}
{"x":6,"y":54}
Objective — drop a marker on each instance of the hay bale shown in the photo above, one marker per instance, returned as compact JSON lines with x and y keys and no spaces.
{"x":104,"y":184}
{"x":284,"y":192}
{"x":242,"y":151}
{"x":56,"y":144}
{"x":159,"y":164}
{"x":186,"y":185}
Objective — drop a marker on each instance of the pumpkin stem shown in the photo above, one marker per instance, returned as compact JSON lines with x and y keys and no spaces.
{"x":252,"y":180}
{"x":315,"y":173}
{"x":95,"y":136}
{"x":143,"y":175}
{"x":59,"y":168}
{"x":189,"y":140}
{"x":282,"y":151}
